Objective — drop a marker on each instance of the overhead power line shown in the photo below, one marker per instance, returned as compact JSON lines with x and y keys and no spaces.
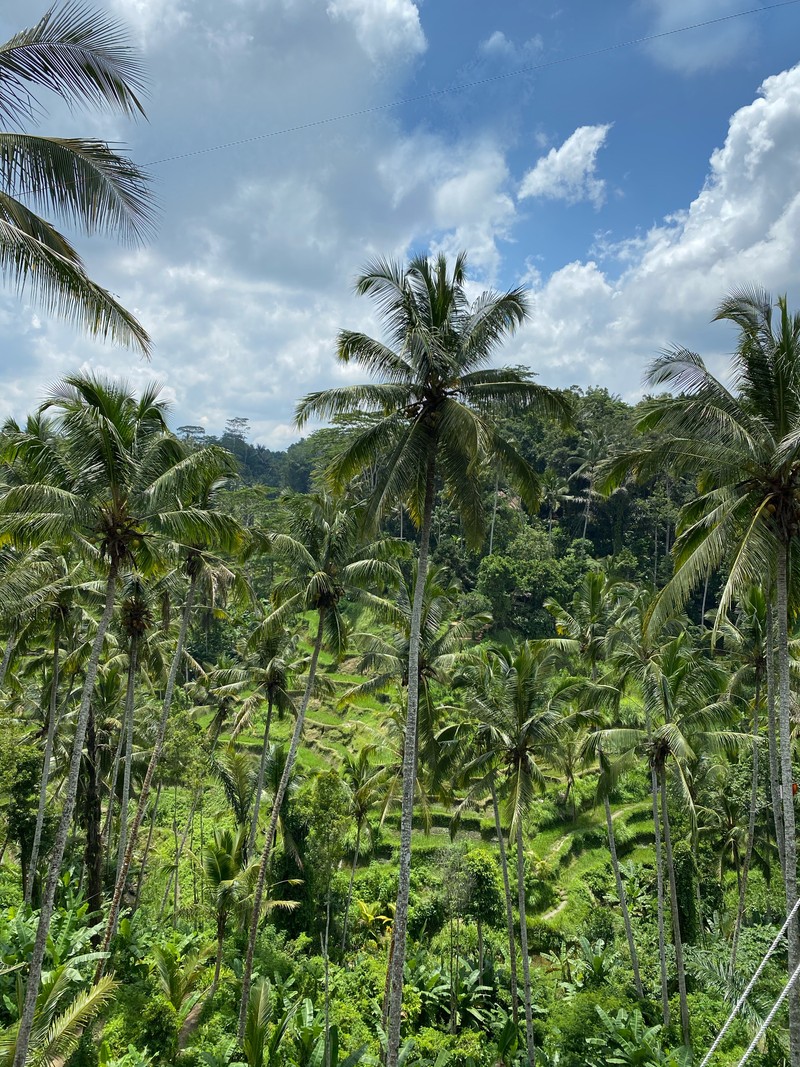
{"x":463,"y":86}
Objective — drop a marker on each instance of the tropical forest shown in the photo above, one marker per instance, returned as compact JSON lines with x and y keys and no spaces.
{"x":462,"y":733}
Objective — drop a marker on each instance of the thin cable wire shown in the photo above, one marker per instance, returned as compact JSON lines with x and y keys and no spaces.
{"x":463,"y":86}
{"x":765,"y":1025}
{"x":748,"y":989}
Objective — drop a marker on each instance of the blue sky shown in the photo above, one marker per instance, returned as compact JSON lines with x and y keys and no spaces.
{"x":630,"y":190}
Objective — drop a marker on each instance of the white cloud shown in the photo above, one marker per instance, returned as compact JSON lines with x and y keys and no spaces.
{"x":459,"y":193}
{"x":385,"y":29}
{"x":498,"y":46}
{"x":704,"y":48}
{"x":743,"y":228}
{"x":568,"y":173}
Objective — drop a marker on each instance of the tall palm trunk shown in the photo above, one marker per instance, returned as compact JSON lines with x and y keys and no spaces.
{"x":57,"y":853}
{"x":790,"y":845}
{"x":623,"y":900}
{"x":105,"y":836}
{"x":512,"y":941}
{"x":222,"y":918}
{"x":662,"y":946}
{"x":251,"y":840}
{"x":148,"y":843}
{"x":48,"y":756}
{"x":494,"y":512}
{"x":158,"y":746}
{"x":676,"y":920}
{"x":772,"y":735}
{"x":277,"y":803}
{"x":124,"y":803}
{"x":6,"y":660}
{"x":93,"y":857}
{"x":409,"y":774}
{"x":523,"y":937}
{"x":350,"y":887}
{"x":751,"y":829}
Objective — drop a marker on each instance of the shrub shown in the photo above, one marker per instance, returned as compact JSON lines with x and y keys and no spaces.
{"x":159,"y":1029}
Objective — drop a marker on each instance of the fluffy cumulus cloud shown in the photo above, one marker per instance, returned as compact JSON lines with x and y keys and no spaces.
{"x":569,"y":172}
{"x":592,"y":325}
{"x":498,"y":46}
{"x":384,"y":28}
{"x":704,"y":48}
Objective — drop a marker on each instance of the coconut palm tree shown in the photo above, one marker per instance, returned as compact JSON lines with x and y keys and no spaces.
{"x":113,"y":482}
{"x":266,"y":672}
{"x":511,"y":696}
{"x":385,"y":659}
{"x":583,"y":628}
{"x":435,"y":399}
{"x":365,"y":782}
{"x":83,"y":57}
{"x":686,"y":711}
{"x":62,"y":1014}
{"x":201,"y":569}
{"x":223,"y":867}
{"x":743,"y":444}
{"x":325,"y":561}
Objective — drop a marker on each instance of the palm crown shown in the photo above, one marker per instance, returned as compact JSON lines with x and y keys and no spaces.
{"x":81,"y":56}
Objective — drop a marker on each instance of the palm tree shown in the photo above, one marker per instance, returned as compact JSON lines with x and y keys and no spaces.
{"x":325,"y":562}
{"x":201,"y":568}
{"x":136,"y":618}
{"x":385,"y":659}
{"x":62,"y":1014}
{"x":83,"y":57}
{"x":113,"y":479}
{"x":743,"y":444}
{"x":583,"y":629}
{"x":511,"y":695}
{"x":435,"y":399}
{"x":555,"y":492}
{"x":267,"y":671}
{"x":686,"y":712}
{"x":746,"y":641}
{"x":610,"y":772}
{"x":364,"y":781}
{"x":223,"y":867}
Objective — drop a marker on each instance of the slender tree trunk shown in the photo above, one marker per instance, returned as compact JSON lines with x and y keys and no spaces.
{"x":124,"y":804}
{"x":48,"y":756}
{"x":266,"y":855}
{"x":623,"y":900}
{"x":494,"y":513}
{"x":662,"y":947}
{"x":327,"y":989}
{"x":409,"y":774}
{"x":676,"y":921}
{"x":57,"y":853}
{"x":787,"y":796}
{"x":751,"y":829}
{"x":105,"y":834}
{"x":705,"y":597}
{"x":173,"y":868}
{"x":6,"y":660}
{"x":158,"y":745}
{"x":93,"y":853}
{"x":772,"y":737}
{"x":251,"y":841}
{"x":350,"y":887}
{"x":512,"y":942}
{"x":523,"y":936}
{"x":655,"y":556}
{"x":148,"y":843}
{"x":221,"y":924}
{"x":480,"y":951}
